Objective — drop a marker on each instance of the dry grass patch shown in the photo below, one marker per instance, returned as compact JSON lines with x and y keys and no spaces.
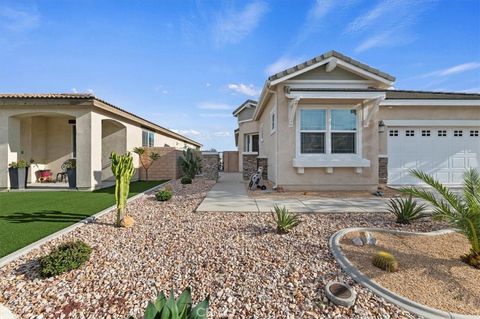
{"x":430,"y":270}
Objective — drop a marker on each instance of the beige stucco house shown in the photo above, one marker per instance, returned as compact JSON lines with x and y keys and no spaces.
{"x":52,"y":128}
{"x":333,"y":123}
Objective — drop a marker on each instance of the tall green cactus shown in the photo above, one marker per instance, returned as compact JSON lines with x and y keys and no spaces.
{"x":122,"y":168}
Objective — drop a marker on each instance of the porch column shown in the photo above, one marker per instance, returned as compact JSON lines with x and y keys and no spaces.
{"x":89,"y":151}
{"x":9,"y":146}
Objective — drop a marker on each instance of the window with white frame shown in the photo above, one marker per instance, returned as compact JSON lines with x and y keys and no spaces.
{"x":328,"y":131}
{"x":273,"y":119}
{"x":148,"y":138}
{"x":250,"y":143}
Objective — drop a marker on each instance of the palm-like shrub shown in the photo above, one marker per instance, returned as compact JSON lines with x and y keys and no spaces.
{"x":181,"y":308}
{"x":406,"y":209}
{"x":460,"y":210}
{"x":284,"y":220}
{"x":190,"y":163}
{"x":146,"y":158}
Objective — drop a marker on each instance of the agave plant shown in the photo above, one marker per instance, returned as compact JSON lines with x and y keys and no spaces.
{"x":460,"y":210}
{"x":176,"y":309}
{"x":190,"y":163}
{"x":284,"y":220}
{"x":406,"y":210}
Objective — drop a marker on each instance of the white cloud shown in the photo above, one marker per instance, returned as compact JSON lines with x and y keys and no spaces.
{"x":247,"y":89}
{"x":219,"y":115}
{"x":222,"y":134}
{"x":190,"y":132}
{"x":214,"y":106}
{"x":456,"y":69}
{"x":208,"y":84}
{"x":471,"y":90}
{"x":91,"y":91}
{"x":232,"y":25}
{"x":18,"y":20}
{"x":74,"y":90}
{"x":281,"y":64}
{"x":394,"y":18}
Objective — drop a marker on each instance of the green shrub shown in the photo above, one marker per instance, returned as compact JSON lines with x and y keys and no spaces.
{"x":163,"y":195}
{"x":284,"y":220}
{"x":64,"y":258}
{"x":186,"y":180}
{"x":176,"y":309}
{"x":406,"y":209}
{"x":461,"y":210}
{"x":190,"y":163}
{"x":385,"y":261}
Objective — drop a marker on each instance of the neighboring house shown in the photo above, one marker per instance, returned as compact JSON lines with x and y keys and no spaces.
{"x":52,"y":128}
{"x":333,"y":123}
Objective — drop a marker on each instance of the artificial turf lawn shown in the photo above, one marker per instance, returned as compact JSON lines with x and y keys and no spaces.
{"x":26,"y":217}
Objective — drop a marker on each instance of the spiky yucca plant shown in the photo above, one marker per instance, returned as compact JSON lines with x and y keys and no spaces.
{"x":284,"y":220}
{"x":406,"y":209}
{"x":385,"y":261}
{"x":460,"y":210}
{"x":181,"y":308}
{"x":190,"y":163}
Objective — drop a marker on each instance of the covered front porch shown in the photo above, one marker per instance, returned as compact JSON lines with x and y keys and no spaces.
{"x":49,"y":138}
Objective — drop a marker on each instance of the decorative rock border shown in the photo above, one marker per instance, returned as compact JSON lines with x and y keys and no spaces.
{"x":25,"y":250}
{"x":407,"y":304}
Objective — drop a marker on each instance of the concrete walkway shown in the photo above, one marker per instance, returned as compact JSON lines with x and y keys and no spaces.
{"x":230,"y":195}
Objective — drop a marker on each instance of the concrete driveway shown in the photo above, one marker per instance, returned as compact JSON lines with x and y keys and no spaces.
{"x":230,"y":195}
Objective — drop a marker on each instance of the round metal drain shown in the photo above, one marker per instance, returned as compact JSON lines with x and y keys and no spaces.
{"x":340,"y":294}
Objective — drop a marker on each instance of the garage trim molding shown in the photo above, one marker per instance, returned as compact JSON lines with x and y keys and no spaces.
{"x":465,"y":123}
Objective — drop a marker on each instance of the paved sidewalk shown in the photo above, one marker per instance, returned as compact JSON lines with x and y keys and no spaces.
{"x":230,"y":195}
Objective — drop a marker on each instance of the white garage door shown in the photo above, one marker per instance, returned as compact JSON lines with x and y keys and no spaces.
{"x":444,"y":152}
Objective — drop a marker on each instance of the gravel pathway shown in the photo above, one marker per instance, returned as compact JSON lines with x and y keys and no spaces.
{"x":249,"y":271}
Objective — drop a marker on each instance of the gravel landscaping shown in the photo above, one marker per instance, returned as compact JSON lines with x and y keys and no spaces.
{"x":430,"y":270}
{"x":248,"y":270}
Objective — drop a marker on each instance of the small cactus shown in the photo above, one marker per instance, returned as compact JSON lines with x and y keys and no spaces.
{"x":385,"y":261}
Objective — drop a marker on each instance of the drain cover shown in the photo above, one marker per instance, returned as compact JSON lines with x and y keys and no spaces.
{"x":340,"y":294}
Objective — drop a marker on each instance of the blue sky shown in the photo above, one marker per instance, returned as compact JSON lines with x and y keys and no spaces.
{"x":187,"y":64}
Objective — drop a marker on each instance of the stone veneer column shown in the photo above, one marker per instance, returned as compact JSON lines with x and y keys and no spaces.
{"x":249,"y":165}
{"x":263,"y":162}
{"x":382,"y":170}
{"x":210,"y":163}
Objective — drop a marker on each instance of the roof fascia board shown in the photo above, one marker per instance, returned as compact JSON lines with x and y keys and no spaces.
{"x":362,"y":72}
{"x":423,"y":102}
{"x":336,"y":95}
{"x":306,"y":69}
{"x":106,"y":107}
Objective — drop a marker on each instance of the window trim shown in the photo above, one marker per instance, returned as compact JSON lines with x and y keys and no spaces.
{"x":148,"y":138}
{"x":328,"y":155}
{"x":250,"y":138}
{"x":273,"y":121}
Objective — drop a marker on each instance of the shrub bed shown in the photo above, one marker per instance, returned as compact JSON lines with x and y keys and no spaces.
{"x":64,"y":258}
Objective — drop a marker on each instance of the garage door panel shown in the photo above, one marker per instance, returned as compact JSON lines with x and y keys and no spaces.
{"x":442,"y":152}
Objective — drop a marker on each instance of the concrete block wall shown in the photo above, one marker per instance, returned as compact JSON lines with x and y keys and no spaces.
{"x":383,"y":170}
{"x":166,"y":167}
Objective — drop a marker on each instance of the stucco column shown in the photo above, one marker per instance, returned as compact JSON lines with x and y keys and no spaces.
{"x":89,"y":151}
{"x":9,"y":146}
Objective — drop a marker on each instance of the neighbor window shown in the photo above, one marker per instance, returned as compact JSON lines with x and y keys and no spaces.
{"x":148,"y":138}
{"x":272,"y":121}
{"x":320,"y":128}
{"x":250,"y":143}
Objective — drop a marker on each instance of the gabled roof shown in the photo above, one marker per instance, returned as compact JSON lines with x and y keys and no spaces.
{"x":325,"y":56}
{"x":112,"y":108}
{"x":247,"y":103}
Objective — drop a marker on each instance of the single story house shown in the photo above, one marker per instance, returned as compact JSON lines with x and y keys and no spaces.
{"x":52,"y":128}
{"x":334,"y":123}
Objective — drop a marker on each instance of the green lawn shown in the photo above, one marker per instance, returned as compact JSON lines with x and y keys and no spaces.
{"x":26,"y":217}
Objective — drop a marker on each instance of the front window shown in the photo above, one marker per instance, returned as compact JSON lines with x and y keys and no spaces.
{"x":325,"y":131}
{"x":250,"y":143}
{"x":148,"y":138}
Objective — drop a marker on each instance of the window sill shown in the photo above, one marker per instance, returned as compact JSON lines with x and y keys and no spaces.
{"x":330,"y":161}
{"x":249,"y":153}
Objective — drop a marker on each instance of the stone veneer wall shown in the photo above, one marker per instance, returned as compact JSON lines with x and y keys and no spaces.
{"x":210,"y":163}
{"x":249,"y":165}
{"x":263,"y":162}
{"x":166,"y":167}
{"x":383,"y":170}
